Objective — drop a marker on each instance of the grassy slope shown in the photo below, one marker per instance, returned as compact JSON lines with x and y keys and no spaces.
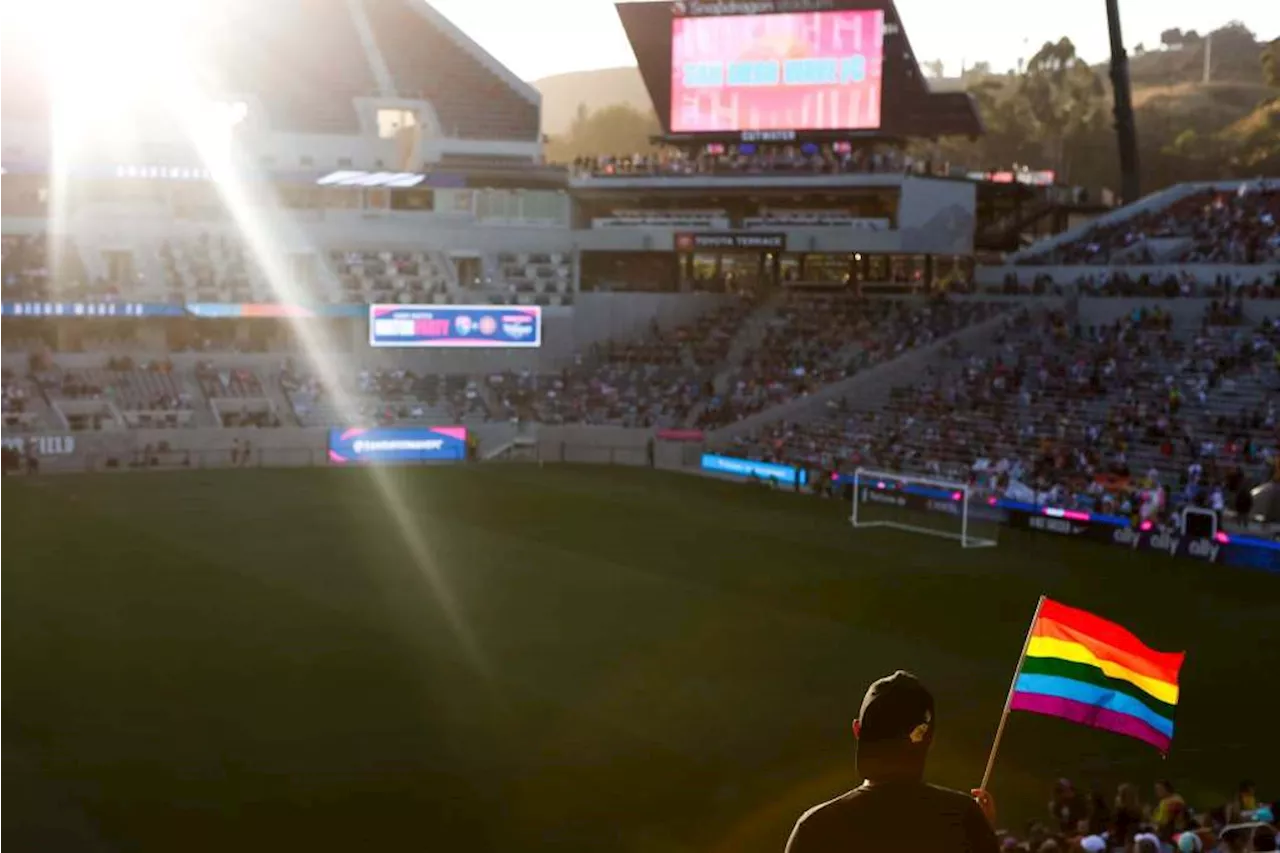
{"x":592,"y":657}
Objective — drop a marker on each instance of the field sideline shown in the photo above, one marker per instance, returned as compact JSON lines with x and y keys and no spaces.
{"x":568,"y":657}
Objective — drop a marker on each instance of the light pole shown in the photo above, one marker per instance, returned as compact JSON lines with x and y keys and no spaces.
{"x":1126,"y":133}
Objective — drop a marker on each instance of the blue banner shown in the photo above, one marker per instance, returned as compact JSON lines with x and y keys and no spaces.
{"x":397,"y":444}
{"x":90,"y":309}
{"x":784,"y":474}
{"x":205,"y":310}
{"x":270,"y":310}
{"x":455,"y":326}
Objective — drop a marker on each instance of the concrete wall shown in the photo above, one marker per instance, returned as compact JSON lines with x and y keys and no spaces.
{"x":293,"y":447}
{"x":1187,"y":313}
{"x":937,"y":216}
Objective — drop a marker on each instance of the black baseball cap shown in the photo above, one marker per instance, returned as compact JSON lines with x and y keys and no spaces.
{"x":897,"y":708}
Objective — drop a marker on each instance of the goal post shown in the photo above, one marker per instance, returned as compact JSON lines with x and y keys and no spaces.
{"x":921,"y":504}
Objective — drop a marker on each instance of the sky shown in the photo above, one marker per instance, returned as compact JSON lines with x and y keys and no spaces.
{"x":537,"y":39}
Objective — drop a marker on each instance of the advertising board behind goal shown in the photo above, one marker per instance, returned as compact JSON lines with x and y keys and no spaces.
{"x":358,"y":445}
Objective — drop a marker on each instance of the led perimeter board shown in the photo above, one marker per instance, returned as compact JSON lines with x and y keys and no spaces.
{"x":455,"y":326}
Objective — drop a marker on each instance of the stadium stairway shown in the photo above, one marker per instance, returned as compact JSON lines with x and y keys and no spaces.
{"x":871,"y":386}
{"x":46,"y":414}
{"x":278,"y":399}
{"x":749,"y":337}
{"x":147,"y":253}
{"x":489,"y":396}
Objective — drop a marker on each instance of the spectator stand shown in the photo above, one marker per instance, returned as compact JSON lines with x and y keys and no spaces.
{"x":1202,"y":231}
{"x":523,"y":278}
{"x":1097,"y":820}
{"x":385,"y":396}
{"x":748,"y":159}
{"x":821,"y":338}
{"x":82,"y":398}
{"x":655,"y":380}
{"x":212,"y":267}
{"x":237,"y":396}
{"x":1209,"y":225}
{"x":25,"y":407}
{"x":1136,"y":417}
{"x":404,"y":277}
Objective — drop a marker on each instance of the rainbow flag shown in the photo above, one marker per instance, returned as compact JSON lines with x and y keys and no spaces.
{"x":1093,"y":672}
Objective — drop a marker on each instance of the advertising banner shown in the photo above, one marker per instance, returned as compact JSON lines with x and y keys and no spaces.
{"x":747,"y":468}
{"x":689,"y":241}
{"x":397,"y":444}
{"x":90,"y":309}
{"x":42,"y":445}
{"x":681,"y":435}
{"x":455,"y":326}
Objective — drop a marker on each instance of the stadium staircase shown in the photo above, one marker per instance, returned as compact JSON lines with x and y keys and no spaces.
{"x":749,"y":337}
{"x":46,"y":413}
{"x":490,"y":397}
{"x":147,"y":253}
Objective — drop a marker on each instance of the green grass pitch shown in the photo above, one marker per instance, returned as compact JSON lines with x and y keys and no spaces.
{"x":517,"y":658}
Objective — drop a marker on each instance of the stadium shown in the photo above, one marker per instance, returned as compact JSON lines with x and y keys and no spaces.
{"x":377,"y":482}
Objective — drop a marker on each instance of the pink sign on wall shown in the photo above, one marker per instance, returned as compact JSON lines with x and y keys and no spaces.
{"x":798,"y":71}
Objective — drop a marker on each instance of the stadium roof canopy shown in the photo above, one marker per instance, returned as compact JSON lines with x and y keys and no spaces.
{"x":303,"y":62}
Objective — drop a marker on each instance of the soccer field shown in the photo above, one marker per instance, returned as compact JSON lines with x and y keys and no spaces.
{"x":517,"y":658}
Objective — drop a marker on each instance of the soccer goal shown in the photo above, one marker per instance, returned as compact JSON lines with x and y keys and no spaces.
{"x":923,"y":505}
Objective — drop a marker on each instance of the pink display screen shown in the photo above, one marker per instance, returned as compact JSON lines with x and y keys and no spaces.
{"x":797,"y":71}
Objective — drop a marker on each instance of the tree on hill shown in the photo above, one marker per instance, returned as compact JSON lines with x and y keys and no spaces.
{"x":619,"y":129}
{"x":1065,"y":100}
{"x":977,"y":72}
{"x":1271,"y":63}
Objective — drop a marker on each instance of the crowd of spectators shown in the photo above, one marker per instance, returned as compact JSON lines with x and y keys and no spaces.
{"x":385,"y":396}
{"x":748,"y":158}
{"x":39,"y":268}
{"x":818,"y":339}
{"x":220,"y":383}
{"x":1098,"y":821}
{"x":130,"y":385}
{"x":26,"y":269}
{"x":1208,"y":226}
{"x":208,"y":269}
{"x":1131,"y":417}
{"x":654,"y":380}
{"x":16,"y":398}
{"x":1128,"y":282}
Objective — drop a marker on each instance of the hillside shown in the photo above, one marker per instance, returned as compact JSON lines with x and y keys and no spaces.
{"x":1166,"y":81}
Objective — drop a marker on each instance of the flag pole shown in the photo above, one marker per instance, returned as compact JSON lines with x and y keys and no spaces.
{"x":1008,"y":700}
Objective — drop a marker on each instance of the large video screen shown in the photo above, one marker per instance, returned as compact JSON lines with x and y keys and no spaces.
{"x":795,"y":71}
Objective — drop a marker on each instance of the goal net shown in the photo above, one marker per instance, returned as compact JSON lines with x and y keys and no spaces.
{"x":923,"y":505}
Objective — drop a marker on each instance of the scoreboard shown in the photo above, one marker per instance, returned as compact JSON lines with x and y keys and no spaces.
{"x":454,"y":326}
